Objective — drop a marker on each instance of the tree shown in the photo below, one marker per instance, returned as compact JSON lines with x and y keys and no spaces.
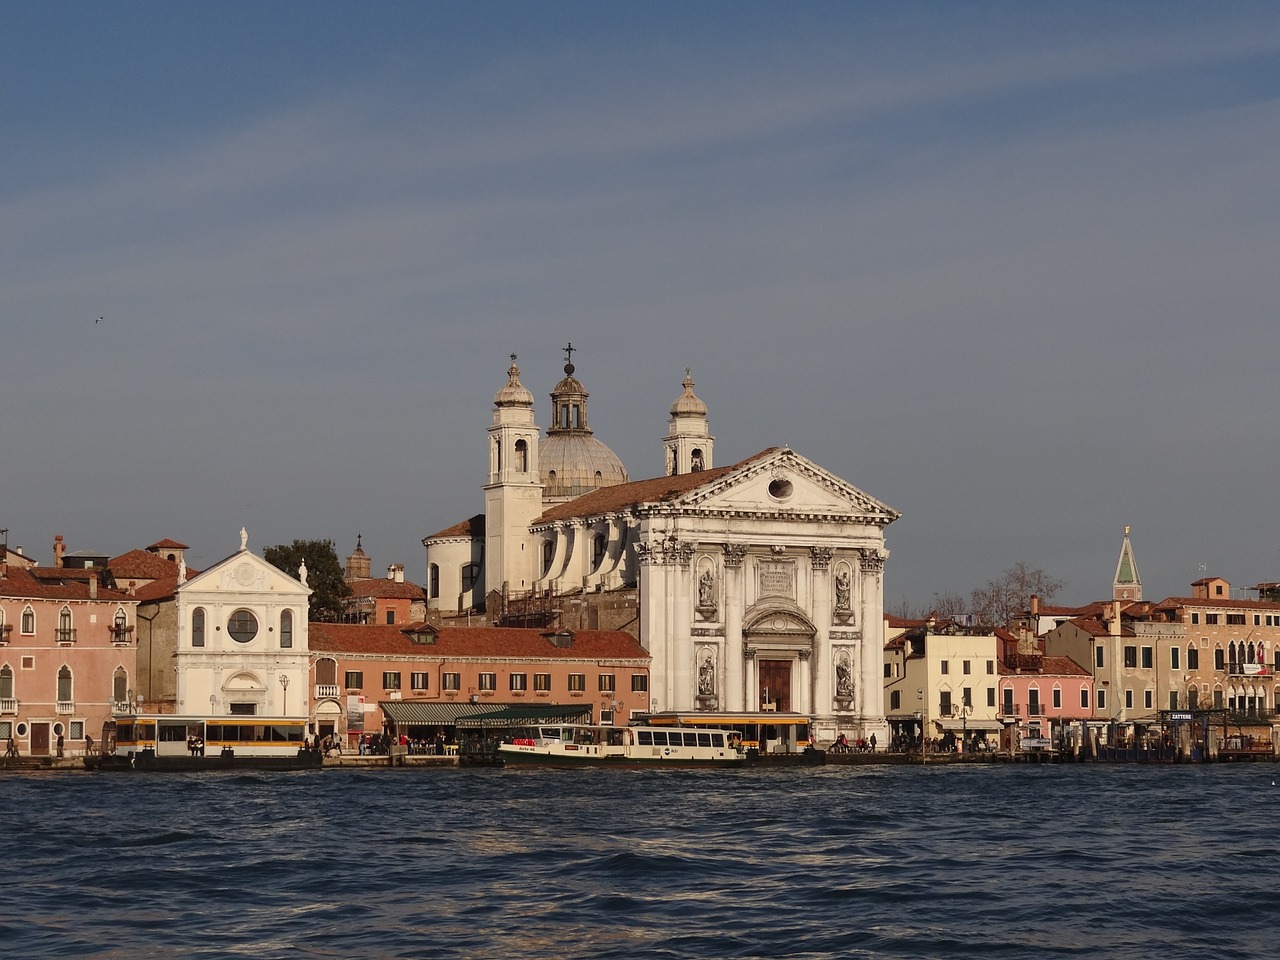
{"x":1002,"y":599}
{"x":324,"y":575}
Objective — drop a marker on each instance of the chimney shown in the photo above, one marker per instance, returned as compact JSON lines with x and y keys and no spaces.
{"x":1035,"y":605}
{"x":93,"y":588}
{"x":58,"y":550}
{"x":395,"y":571}
{"x":1115,"y":618}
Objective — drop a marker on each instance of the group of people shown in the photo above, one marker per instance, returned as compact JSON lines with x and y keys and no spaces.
{"x":379,"y":744}
{"x":861,"y":745}
{"x":195,"y":746}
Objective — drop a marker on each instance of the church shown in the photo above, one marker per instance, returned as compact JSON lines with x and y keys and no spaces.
{"x":753,"y":586}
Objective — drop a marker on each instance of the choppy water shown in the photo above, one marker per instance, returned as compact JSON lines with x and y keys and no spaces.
{"x":833,"y":862}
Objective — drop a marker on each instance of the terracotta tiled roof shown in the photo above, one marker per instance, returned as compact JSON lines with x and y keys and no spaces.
{"x":1217,"y":603}
{"x":473,"y":527}
{"x":1048,"y":667}
{"x":1100,"y":628}
{"x":168,"y":544}
{"x":385,"y":589}
{"x":160,"y":589}
{"x":655,"y":490}
{"x":54,"y":583}
{"x":142,"y":565}
{"x":509,"y":643}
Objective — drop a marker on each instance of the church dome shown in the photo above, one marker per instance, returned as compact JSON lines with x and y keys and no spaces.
{"x":688,"y":404}
{"x":575,"y":463}
{"x":515,"y":393}
{"x":571,"y":461}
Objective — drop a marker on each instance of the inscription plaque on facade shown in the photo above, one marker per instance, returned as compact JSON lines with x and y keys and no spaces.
{"x":776,"y":578}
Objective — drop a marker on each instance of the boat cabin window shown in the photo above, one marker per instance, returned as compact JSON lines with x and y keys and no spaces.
{"x":704,"y":739}
{"x":550,"y":733}
{"x":644,"y":738}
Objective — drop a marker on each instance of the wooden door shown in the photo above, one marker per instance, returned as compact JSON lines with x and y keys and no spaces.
{"x":775,"y":684}
{"x":39,"y":739}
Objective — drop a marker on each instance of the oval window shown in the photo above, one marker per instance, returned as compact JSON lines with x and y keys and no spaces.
{"x":243,"y":626}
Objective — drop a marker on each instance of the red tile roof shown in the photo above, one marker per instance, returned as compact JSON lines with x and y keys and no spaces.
{"x":1217,"y":603}
{"x":655,"y":490}
{"x":54,"y":583}
{"x":168,"y":544}
{"x":142,"y":565}
{"x":472,"y":527}
{"x":385,"y":589}
{"x":509,"y":643}
{"x":1049,"y":667}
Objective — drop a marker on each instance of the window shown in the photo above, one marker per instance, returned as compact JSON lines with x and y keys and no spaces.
{"x":355,"y":679}
{"x":65,"y":633}
{"x":391,"y":617}
{"x":197,"y":627}
{"x":888,"y":671}
{"x":1217,"y":699}
{"x":1173,"y":699}
{"x":542,"y":682}
{"x":1084,"y":698}
{"x":1193,"y":658}
{"x":1174,"y":653}
{"x":1195,"y":618}
{"x":120,"y":686}
{"x":895,"y":700}
{"x":487,"y":681}
{"x":327,"y":671}
{"x":964,"y":667}
{"x":944,"y":703}
{"x":243,"y":626}
{"x":991,"y":668}
{"x":1148,"y":660}
{"x":64,"y":685}
{"x":966,"y":696}
{"x":1033,"y":702}
{"x":1008,"y":701}
{"x":522,"y":460}
{"x":1099,"y":657}
{"x":391,"y":680}
{"x":946,"y":667}
{"x":1235,"y":619}
{"x":639,"y":683}
{"x":1130,"y":656}
{"x":1257,"y":620}
{"x":451,"y":681}
{"x":519,"y":681}
{"x":1146,"y":699}
{"x":1211,"y":619}
{"x":1057,"y":698}
{"x":1100,"y":697}
{"x":605,"y":683}
{"x":28,"y":621}
{"x":286,"y":629}
{"x":470,"y":574}
{"x":6,"y":682}
{"x":419,"y":681}
{"x":1128,"y":699}
{"x":75,"y":730}
{"x":577,"y":682}
{"x":991,"y":696}
{"x":433,"y":581}
{"x":1219,"y":659}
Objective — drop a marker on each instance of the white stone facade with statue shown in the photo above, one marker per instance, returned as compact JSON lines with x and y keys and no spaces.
{"x":242,"y":640}
{"x":759,"y":586}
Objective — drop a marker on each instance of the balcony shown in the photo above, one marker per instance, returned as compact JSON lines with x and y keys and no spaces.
{"x":8,"y":705}
{"x":326,"y":691}
{"x":1258,"y":670}
{"x":66,"y":706}
{"x":65,"y":634}
{"x":121,"y":708}
{"x":121,"y":634}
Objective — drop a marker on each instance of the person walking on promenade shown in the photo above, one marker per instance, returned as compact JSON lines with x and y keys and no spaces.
{"x":13,"y":748}
{"x":61,"y":744}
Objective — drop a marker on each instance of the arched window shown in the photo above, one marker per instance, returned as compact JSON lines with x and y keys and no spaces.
{"x":598,"y":545}
{"x":120,"y":687}
{"x":197,"y":627}
{"x":433,"y":581}
{"x":470,"y":574}
{"x":548,"y":554}
{"x":64,"y":684}
{"x":65,"y":633}
{"x":286,"y":629}
{"x":119,"y":624}
{"x":327,"y":671}
{"x":1193,"y":697}
{"x":695,"y":460}
{"x":6,"y":682}
{"x":522,"y":456}
{"x":28,"y":620}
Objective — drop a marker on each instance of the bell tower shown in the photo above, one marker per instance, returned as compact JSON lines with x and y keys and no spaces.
{"x":688,"y":441}
{"x":1127,"y":584}
{"x":513,"y":494}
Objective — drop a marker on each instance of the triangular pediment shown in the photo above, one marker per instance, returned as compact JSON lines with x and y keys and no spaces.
{"x":787,"y":484}
{"x":245,"y":573}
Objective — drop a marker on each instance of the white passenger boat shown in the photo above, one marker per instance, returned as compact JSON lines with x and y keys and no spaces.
{"x":581,"y":745}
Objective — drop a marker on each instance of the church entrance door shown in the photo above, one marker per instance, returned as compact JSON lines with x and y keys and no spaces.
{"x":775,"y":685}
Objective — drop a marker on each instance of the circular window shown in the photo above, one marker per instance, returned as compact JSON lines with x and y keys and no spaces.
{"x":243,"y":626}
{"x":57,"y":730}
{"x":780,"y":489}
{"x":22,"y":729}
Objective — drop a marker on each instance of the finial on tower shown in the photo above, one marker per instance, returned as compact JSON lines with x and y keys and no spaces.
{"x":568,"y":358}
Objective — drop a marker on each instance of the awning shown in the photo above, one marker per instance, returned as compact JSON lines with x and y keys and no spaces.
{"x":412,"y":713}
{"x":946,"y":723}
{"x":528,"y":713}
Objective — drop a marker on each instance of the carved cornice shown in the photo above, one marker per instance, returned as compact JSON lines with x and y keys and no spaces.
{"x":872,"y":560}
{"x":666,"y":550}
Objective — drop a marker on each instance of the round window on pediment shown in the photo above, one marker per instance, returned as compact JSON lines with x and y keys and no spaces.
{"x":780,"y":488}
{"x":243,"y":626}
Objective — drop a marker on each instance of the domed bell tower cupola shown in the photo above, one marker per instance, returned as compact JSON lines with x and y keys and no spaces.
{"x":688,"y":441}
{"x":513,"y":495}
{"x":573,"y":461}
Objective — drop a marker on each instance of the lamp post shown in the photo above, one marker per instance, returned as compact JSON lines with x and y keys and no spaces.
{"x":965,"y":710}
{"x":284,"y":699}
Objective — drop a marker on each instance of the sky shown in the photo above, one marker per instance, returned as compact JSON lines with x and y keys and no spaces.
{"x":1010,"y":268}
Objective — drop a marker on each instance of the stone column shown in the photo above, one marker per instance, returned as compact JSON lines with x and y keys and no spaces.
{"x":734,"y":602}
{"x":684,"y":590}
{"x":870,"y":684}
{"x":822,"y":667}
{"x":805,"y":670}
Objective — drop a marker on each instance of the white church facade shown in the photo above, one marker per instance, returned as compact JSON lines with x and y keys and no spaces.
{"x":758,"y":585}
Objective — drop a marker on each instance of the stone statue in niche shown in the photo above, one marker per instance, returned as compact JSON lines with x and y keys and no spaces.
{"x":844,"y":680}
{"x":707,"y":675}
{"x":707,"y":594}
{"x":843,"y":590}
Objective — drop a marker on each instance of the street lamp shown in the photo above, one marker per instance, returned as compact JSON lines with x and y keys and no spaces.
{"x":284,"y":700}
{"x":965,"y":710}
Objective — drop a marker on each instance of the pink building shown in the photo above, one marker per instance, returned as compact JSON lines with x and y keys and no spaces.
{"x":1043,"y":701}
{"x":432,"y":675}
{"x":67,"y":657}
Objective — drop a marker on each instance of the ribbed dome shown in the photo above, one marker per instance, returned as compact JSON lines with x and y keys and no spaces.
{"x":576,"y":463}
{"x":688,"y":404}
{"x":515,"y":393}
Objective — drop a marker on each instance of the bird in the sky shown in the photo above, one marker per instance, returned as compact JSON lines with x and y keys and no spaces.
{"x":100,"y":319}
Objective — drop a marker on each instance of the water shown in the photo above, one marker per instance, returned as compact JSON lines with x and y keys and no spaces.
{"x":1067,"y":861}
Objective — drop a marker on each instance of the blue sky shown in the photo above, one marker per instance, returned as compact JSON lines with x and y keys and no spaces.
{"x":1011,"y":268}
